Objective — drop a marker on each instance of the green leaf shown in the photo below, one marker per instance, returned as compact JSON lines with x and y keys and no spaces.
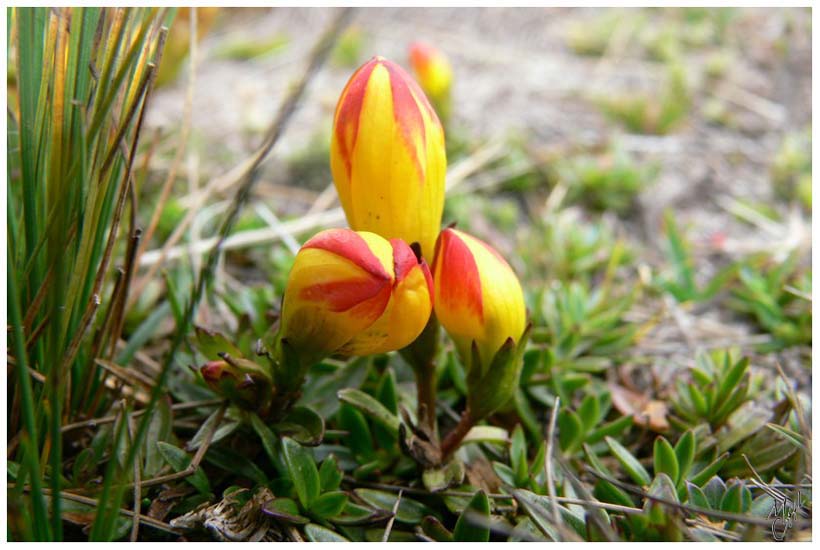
{"x":303,"y":472}
{"x":330,"y":475}
{"x":223,"y":431}
{"x":317,"y":533}
{"x":505,"y":473}
{"x":386,"y":392}
{"x":351,"y":375}
{"x":269,"y":442}
{"x":473,"y":523}
{"x":237,"y":463}
{"x":685,"y":454}
{"x":661,"y":488}
{"x":714,"y":492}
{"x":518,"y":454}
{"x":329,"y":504}
{"x":285,"y":509}
{"x":630,"y":464}
{"x":84,"y":467}
{"x":537,"y":464}
{"x":610,"y":428}
{"x":536,"y":508}
{"x":179,"y":461}
{"x":158,"y":430}
{"x":791,"y":436}
{"x":410,"y":511}
{"x":302,"y":424}
{"x":570,"y":431}
{"x":434,"y":529}
{"x":709,"y":470}
{"x":665,"y":461}
{"x":354,"y":514}
{"x":733,"y":376}
{"x":696,"y":496}
{"x":736,"y":499}
{"x":589,"y":411}
{"x":371,"y":408}
{"x":358,"y":439}
{"x":387,"y":396}
{"x":698,"y":400}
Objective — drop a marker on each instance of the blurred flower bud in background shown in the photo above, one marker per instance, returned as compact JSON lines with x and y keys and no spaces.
{"x":178,"y":43}
{"x":433,"y":71}
{"x":387,"y":156}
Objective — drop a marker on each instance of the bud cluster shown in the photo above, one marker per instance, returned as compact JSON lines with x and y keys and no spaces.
{"x":368,"y":289}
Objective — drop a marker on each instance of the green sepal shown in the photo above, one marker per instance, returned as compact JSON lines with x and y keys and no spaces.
{"x":490,"y":388}
{"x":212,"y":344}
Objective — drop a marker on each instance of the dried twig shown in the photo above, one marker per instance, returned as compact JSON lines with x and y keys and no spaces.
{"x":304,"y":224}
{"x":725,"y":516}
{"x":94,"y":422}
{"x":556,"y":517}
{"x":395,"y":511}
{"x":145,"y":520}
{"x":194,"y":465}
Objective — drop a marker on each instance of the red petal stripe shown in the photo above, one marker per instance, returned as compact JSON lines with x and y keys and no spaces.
{"x":407,"y":101}
{"x":371,"y":294}
{"x":458,"y":279}
{"x":349,"y":110}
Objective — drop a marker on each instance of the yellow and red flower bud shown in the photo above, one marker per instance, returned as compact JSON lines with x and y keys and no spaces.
{"x":432,"y":69}
{"x":354,"y":293}
{"x":387,"y":155}
{"x":477,"y":296}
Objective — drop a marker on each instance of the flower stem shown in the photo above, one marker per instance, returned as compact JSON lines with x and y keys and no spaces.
{"x":455,"y":437}
{"x":426,"y":397}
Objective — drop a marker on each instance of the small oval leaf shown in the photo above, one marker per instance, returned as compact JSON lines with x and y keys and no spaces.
{"x":473,"y":524}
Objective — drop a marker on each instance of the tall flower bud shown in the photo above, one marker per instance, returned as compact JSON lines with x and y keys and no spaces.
{"x":387,"y":156}
{"x":479,"y":301}
{"x":354,"y":293}
{"x":432,"y":69}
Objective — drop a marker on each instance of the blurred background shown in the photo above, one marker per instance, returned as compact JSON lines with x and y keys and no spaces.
{"x":568,"y":128}
{"x":690,"y":107}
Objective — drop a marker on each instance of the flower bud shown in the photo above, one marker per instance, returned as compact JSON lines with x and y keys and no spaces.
{"x":477,"y":295}
{"x":387,"y":156}
{"x":354,"y":293}
{"x":433,"y":71}
{"x":480,"y":303}
{"x":244,"y":382}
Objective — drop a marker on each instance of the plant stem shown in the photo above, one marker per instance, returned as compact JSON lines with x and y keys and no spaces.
{"x":426,"y":396}
{"x":454,"y":438}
